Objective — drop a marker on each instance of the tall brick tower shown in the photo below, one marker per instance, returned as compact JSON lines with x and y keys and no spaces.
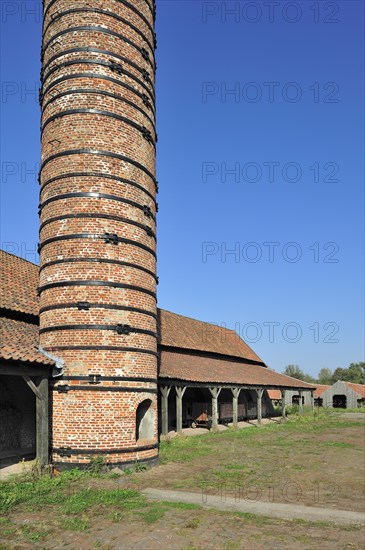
{"x":97,"y":227}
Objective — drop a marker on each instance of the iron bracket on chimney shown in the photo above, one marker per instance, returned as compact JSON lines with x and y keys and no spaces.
{"x":83,"y":306}
{"x":123,"y":329}
{"x":111,"y":238}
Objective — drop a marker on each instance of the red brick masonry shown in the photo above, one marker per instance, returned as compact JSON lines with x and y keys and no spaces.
{"x":98,"y":226}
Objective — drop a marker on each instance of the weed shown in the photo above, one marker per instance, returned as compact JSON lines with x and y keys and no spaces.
{"x":115,"y":516}
{"x":182,"y":505}
{"x":192,"y":523}
{"x":75,"y":523}
{"x":140,"y":467}
{"x":34,"y":533}
{"x":96,"y":465}
{"x":338,"y":444}
{"x":153,"y":513}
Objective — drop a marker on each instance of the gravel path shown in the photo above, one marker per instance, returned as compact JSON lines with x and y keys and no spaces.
{"x":269,"y":509}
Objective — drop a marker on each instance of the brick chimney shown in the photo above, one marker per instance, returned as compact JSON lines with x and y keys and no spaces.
{"x":98,"y":228}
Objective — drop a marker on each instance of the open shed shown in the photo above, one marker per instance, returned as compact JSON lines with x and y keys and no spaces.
{"x":344,"y":395}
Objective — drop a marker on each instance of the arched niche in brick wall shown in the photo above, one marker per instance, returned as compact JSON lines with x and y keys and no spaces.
{"x":144,"y":421}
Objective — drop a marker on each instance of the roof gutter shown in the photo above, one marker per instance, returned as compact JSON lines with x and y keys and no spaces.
{"x":58,"y":367}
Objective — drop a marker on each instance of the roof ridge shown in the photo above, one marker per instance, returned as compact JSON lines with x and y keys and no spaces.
{"x":199,"y":321}
{"x":18,"y":257}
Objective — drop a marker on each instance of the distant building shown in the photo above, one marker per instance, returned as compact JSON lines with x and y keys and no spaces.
{"x":292,"y":397}
{"x":344,"y":395}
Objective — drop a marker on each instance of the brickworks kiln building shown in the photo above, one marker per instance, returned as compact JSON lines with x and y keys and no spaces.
{"x":86,"y":380}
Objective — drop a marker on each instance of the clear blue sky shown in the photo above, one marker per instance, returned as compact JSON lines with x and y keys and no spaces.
{"x":293,"y":132}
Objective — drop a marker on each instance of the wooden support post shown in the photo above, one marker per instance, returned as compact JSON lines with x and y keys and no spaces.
{"x":179,"y":395}
{"x":32,"y":386}
{"x":235,"y":392}
{"x":165,"y":391}
{"x":40,"y":390}
{"x":300,"y":401}
{"x":214,"y":392}
{"x":259,"y":392}
{"x":312,"y":400}
{"x":42,"y":422}
{"x":283,"y":405}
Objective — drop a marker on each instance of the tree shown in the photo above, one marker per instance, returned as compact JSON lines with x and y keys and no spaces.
{"x":308,"y":378}
{"x":295,"y":372}
{"x":354,"y":373}
{"x":325,"y":376}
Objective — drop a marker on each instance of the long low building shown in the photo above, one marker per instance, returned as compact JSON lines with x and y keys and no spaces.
{"x":207,"y":375}
{"x":292,"y":396}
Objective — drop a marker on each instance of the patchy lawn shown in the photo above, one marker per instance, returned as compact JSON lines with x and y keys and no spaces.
{"x":310,"y":460}
{"x":314,"y":461}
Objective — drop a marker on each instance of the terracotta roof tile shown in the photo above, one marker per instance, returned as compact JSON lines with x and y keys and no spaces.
{"x":19,"y":342}
{"x":320,"y":388}
{"x":197,"y":368}
{"x":186,"y":333}
{"x":358,"y":388}
{"x":18,"y":282}
{"x":274,"y":394}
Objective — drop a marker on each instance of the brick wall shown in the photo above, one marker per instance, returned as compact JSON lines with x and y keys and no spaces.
{"x":97,"y":178}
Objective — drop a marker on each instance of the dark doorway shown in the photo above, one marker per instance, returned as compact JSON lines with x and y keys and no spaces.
{"x":339,"y":402}
{"x":296,"y":399}
{"x":17,"y":420}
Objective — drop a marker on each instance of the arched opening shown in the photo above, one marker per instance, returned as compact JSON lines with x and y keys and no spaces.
{"x":144,"y":420}
{"x":339,"y":401}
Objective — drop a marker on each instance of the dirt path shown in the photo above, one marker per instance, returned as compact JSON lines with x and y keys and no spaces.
{"x":275,"y":510}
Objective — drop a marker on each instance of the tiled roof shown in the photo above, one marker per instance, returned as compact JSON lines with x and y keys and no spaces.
{"x":186,"y":333}
{"x":274,"y":394}
{"x":197,"y":368}
{"x":19,"y":342}
{"x":358,"y":388}
{"x":320,"y":388}
{"x":18,"y":281}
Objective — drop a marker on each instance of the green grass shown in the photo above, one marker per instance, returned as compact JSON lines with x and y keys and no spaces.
{"x":72,"y":499}
{"x":338,"y":444}
{"x":354,"y":410}
{"x":156,"y":510}
{"x":185,"y":449}
{"x":34,"y":533}
{"x":179,"y":449}
{"x":181,"y":505}
{"x":75,"y":524}
{"x":65,"y":490}
{"x":234,"y":458}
